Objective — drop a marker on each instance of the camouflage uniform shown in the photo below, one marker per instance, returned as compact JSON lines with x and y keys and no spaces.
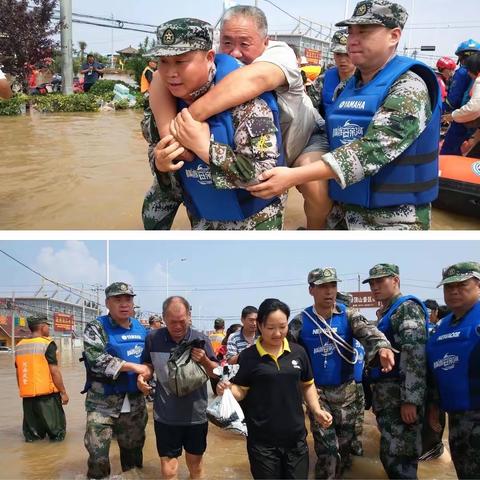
{"x":338,"y":45}
{"x":400,"y":443}
{"x":104,"y":417}
{"x":463,"y":426}
{"x":332,"y":445}
{"x":256,"y":148}
{"x":401,"y":118}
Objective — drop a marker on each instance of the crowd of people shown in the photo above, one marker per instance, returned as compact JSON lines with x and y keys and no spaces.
{"x":363,"y":151}
{"x":414,"y":367}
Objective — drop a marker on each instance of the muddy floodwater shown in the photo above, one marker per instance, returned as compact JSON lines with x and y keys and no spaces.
{"x":89,"y":171}
{"x":225,"y":457}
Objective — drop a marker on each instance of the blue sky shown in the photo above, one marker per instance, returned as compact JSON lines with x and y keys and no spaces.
{"x":220,"y":277}
{"x":432,"y":22}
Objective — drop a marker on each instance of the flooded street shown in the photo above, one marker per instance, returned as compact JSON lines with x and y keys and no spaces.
{"x":89,"y":171}
{"x":225,"y":457}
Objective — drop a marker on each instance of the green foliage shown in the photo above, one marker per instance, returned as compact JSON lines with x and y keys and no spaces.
{"x":135,"y":65}
{"x":105,"y":86}
{"x":13,"y":106}
{"x":82,"y":102}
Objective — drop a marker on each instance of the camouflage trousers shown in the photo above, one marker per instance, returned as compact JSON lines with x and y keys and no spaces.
{"x":464,"y":440}
{"x":332,"y":445}
{"x":356,"y":447}
{"x":129,"y":430}
{"x":400,"y":444}
{"x":162,"y":200}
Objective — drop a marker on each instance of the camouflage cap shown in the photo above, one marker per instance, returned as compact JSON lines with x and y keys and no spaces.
{"x":377,"y":12}
{"x":182,"y":35}
{"x":219,"y":323}
{"x":154,"y":318}
{"x":339,"y":42}
{"x":37,"y":320}
{"x":118,"y":288}
{"x":460,"y":272}
{"x":382,"y":270}
{"x":319,"y":276}
{"x":345,"y":298}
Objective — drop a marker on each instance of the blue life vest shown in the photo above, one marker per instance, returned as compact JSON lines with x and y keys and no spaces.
{"x":127,"y":344}
{"x":384,"y":325}
{"x":453,"y":356}
{"x":330,"y":83}
{"x":329,"y":368}
{"x":358,"y":367}
{"x":202,"y":198}
{"x":410,"y":179}
{"x":459,"y":87}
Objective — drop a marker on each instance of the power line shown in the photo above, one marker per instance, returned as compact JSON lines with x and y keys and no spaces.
{"x":63,"y":286}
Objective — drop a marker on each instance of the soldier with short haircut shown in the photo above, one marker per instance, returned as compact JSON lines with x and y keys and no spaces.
{"x":114,"y":345}
{"x":231,"y":149}
{"x":327,"y":330}
{"x":453,"y":362}
{"x":383,"y":132}
{"x":399,"y":396}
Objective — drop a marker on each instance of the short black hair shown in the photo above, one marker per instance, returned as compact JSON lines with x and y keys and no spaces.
{"x":91,"y":55}
{"x":443,"y":311}
{"x":472,"y":64}
{"x":270,"y":305}
{"x":431,"y":304}
{"x":248,"y":310}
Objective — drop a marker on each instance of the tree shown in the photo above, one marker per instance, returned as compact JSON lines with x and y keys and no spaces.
{"x":83,"y":46}
{"x":136,"y":63}
{"x":26,"y":30}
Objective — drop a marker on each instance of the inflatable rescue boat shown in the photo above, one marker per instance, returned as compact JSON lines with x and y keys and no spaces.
{"x":459,"y":185}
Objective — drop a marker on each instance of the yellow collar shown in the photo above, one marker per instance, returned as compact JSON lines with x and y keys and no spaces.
{"x":262,"y":352}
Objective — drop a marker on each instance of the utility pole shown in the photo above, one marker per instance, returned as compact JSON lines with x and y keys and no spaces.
{"x":107,"y":262}
{"x":111,"y":58}
{"x":66,"y":46}
{"x":13,"y":325}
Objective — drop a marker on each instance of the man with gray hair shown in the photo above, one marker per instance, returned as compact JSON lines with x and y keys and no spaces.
{"x":270,"y":66}
{"x":180,"y":422}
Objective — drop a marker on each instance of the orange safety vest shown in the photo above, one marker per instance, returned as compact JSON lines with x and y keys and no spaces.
{"x":216,"y":340}
{"x":33,"y":372}
{"x":144,"y":83}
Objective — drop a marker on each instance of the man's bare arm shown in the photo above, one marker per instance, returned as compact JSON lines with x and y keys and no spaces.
{"x":5,"y":90}
{"x":238,"y":87}
{"x":163,"y":105}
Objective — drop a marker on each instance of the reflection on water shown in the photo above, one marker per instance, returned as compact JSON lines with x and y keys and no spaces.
{"x":90,"y":171}
{"x":225,"y":458}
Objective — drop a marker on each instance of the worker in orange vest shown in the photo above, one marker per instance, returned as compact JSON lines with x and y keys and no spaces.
{"x":147,"y":76}
{"x":40,"y":383}
{"x":218,"y":335}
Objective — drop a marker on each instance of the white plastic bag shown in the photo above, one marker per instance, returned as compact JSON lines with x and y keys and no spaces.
{"x":224,"y":411}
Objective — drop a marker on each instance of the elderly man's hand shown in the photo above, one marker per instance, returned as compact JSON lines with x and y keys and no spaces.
{"x":143,"y":386}
{"x":193,"y":135}
{"x":198,"y":355}
{"x":273,"y":182}
{"x":387,"y":359}
{"x":166,"y":151}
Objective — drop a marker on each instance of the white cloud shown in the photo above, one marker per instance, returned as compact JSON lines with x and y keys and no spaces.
{"x":74,"y":264}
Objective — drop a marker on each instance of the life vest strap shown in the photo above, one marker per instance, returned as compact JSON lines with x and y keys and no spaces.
{"x":405,"y":187}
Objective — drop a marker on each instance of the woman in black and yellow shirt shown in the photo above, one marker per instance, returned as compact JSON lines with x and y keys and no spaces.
{"x":274,"y":378}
